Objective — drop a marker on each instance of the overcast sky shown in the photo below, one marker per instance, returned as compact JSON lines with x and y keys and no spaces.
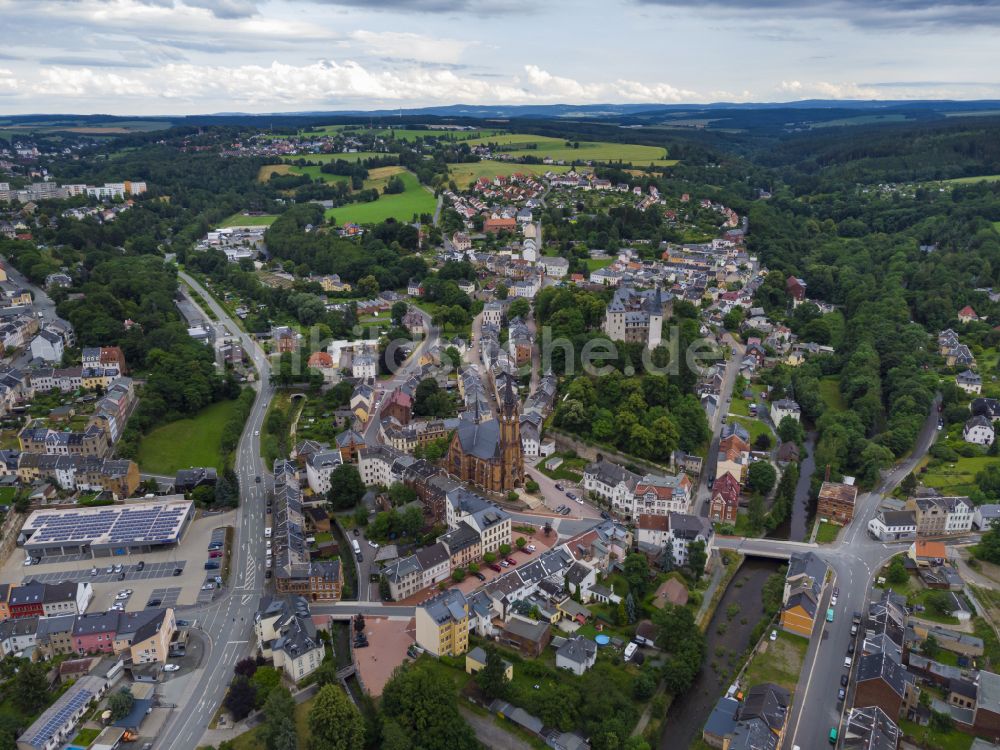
{"x":147,"y":57}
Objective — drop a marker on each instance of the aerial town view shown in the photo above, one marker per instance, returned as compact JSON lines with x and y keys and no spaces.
{"x":386,"y":375}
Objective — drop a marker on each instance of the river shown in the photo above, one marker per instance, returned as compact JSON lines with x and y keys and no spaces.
{"x":723,"y":654}
{"x":799,"y":523}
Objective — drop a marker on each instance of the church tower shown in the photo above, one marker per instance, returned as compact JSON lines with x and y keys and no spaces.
{"x":511,"y":453}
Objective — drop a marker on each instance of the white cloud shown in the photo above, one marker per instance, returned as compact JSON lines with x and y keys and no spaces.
{"x":412,"y":46}
{"x":85,"y":82}
{"x":827,"y":90}
{"x":8,"y":83}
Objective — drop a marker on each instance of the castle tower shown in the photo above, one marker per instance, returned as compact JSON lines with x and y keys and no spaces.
{"x":511,"y":453}
{"x":655,"y":310}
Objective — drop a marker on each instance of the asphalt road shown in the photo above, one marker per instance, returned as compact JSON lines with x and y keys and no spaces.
{"x":853,"y":559}
{"x":703,"y":493}
{"x":41,"y":303}
{"x":228,"y":622}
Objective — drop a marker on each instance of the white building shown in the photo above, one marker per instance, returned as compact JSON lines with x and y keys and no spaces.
{"x":47,"y":345}
{"x":577,"y":654}
{"x":978,"y":430}
{"x":969,"y":382}
{"x":985,"y":515}
{"x":364,"y":366}
{"x":319,"y":469}
{"x":286,"y":635}
{"x":785,"y":408}
{"x":893,"y":525}
{"x":493,"y":314}
{"x":960,"y":516}
{"x":680,"y":529}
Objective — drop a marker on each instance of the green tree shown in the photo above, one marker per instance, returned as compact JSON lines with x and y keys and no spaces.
{"x":636,"y":568}
{"x":334,"y":722}
{"x":30,"y":687}
{"x":896,"y":573}
{"x":761,"y":477}
{"x":424,"y":705}
{"x":346,"y":487}
{"x":790,"y":431}
{"x":241,"y":698}
{"x":120,"y":704}
{"x":279,"y":720}
{"x":264,"y":680}
{"x":930,"y":646}
{"x":697,"y":558}
{"x":492,"y":678}
{"x":368,"y":286}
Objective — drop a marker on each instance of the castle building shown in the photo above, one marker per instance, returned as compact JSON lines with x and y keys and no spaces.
{"x":637,"y":316}
{"x":487,"y":452}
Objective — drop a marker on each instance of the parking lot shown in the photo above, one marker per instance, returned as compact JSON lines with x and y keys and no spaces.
{"x":157,"y":575}
{"x":131,"y":571}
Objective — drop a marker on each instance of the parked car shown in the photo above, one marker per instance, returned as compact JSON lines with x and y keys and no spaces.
{"x":141,"y":565}
{"x":110,"y":569}
{"x":504,"y":564}
{"x":841,"y":694}
{"x":357,"y":532}
{"x":178,"y":571}
{"x":496,"y":568}
{"x":847,"y":662}
{"x":774,"y":635}
{"x":480,"y":576}
{"x":118,"y":568}
{"x":565,"y":511}
{"x":154,"y":602}
{"x":510,"y":561}
{"x":121,"y":576}
{"x":373,"y":545}
{"x":93,"y":571}
{"x":559,"y":487}
{"x":183,"y":623}
{"x":605,"y":515}
{"x":850,"y":647}
{"x":267,"y":574}
{"x":844,"y":680}
{"x":571,"y":496}
{"x":170,"y":667}
{"x":258,"y":480}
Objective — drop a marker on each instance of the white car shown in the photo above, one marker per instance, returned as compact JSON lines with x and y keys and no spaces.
{"x":373,"y":545}
{"x":267,"y":532}
{"x":833,"y":600}
{"x":256,"y":433}
{"x":269,"y":544}
{"x":110,"y":569}
{"x":774,"y":635}
{"x":530,"y":548}
{"x":847,"y":662}
{"x":27,"y":561}
{"x":170,"y":667}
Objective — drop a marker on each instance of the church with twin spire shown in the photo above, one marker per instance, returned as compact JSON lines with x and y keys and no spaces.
{"x":487,"y":452}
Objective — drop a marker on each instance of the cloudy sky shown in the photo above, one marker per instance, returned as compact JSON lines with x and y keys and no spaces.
{"x":148,"y":57}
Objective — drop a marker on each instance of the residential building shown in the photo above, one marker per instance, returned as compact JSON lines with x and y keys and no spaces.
{"x":894,"y":525}
{"x":19,"y":636}
{"x":475,"y":660}
{"x":725,"y":504}
{"x":425,"y":568}
{"x":969,"y":382}
{"x":151,"y":639}
{"x":57,"y":724}
{"x":979,"y":431}
{"x":442,"y":624}
{"x":804,"y":582}
{"x":320,"y":467}
{"x":984,"y":516}
{"x":939,"y":516}
{"x":836,"y":502}
{"x":530,"y":637}
{"x":784,"y":408}
{"x":287,"y":636}
{"x":577,"y":654}
{"x":48,"y":345}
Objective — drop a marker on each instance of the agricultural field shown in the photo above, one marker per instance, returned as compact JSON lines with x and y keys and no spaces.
{"x":186,"y":442}
{"x":313,"y":171}
{"x":379,"y":177}
{"x":241,"y":220}
{"x":971,"y":180}
{"x":402,"y":206}
{"x":466,"y":174}
{"x":324,"y":158}
{"x":524,"y":144}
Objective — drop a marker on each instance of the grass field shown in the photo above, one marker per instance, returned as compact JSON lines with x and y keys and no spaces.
{"x":755,"y":427}
{"x":525,"y":144}
{"x":324,"y":158}
{"x":957,"y":477}
{"x":595,"y":264}
{"x":829,"y":391}
{"x":927,"y":737}
{"x":970,"y":180}
{"x":239,"y":220}
{"x":827,"y":533}
{"x":465,"y":174}
{"x":314,"y":173}
{"x":780,"y":663}
{"x":86,"y":736}
{"x":186,"y":442}
{"x":402,"y":206}
{"x":378,"y":177}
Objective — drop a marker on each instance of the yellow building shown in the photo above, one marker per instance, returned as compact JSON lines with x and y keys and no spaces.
{"x":476,"y":660}
{"x":443,"y":624}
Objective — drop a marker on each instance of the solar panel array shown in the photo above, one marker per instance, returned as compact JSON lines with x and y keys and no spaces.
{"x":59,"y":718}
{"x":156,"y":523}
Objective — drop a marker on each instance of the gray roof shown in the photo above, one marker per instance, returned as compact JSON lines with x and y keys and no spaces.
{"x":530,"y":631}
{"x":871,"y":729}
{"x":578,"y":649}
{"x":448,"y":605}
{"x":479,"y":438}
{"x":884,"y":666}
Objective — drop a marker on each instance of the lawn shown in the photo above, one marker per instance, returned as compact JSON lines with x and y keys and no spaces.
{"x":956,"y":477}
{"x":929,"y":614}
{"x":86,"y":736}
{"x":970,"y":180}
{"x":465,"y":174}
{"x":186,"y":442}
{"x":7,"y":495}
{"x":927,"y":737}
{"x":242,"y":220}
{"x":379,"y":177}
{"x":755,"y":427}
{"x":525,"y":144}
{"x":254,"y":739}
{"x":780,"y":663}
{"x":829,"y":391}
{"x":402,"y":206}
{"x":324,"y":158}
{"x":996,"y":225}
{"x":827,"y":533}
{"x":595,"y":264}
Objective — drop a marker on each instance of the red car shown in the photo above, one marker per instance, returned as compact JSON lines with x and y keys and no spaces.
{"x":510,"y":561}
{"x":497,"y":568}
